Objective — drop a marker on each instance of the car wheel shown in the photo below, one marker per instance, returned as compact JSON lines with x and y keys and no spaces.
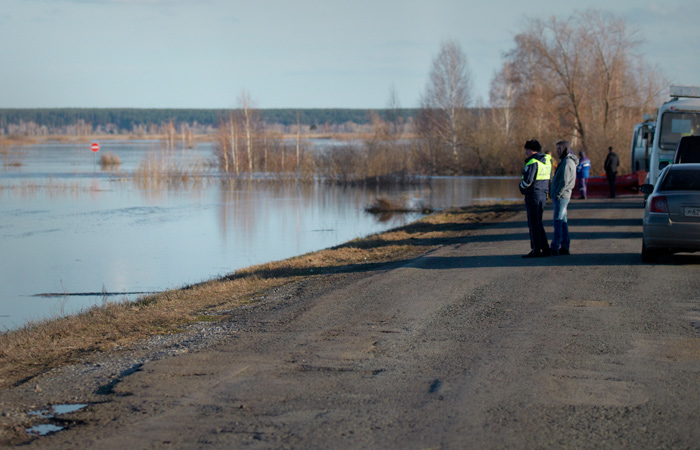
{"x":648,"y":255}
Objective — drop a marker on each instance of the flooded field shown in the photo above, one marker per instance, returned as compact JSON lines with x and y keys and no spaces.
{"x":73,"y":234}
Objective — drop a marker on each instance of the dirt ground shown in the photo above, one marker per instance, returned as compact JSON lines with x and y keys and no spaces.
{"x":468,"y":346}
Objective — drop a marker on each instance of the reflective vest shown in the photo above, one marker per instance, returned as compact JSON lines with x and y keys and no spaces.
{"x":544,"y":170}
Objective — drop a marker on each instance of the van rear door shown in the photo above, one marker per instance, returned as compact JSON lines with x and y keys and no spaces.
{"x":688,"y":150}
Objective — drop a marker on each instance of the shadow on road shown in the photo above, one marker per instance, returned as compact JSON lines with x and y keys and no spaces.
{"x":605,"y":223}
{"x":587,"y":259}
{"x":512,"y":260}
{"x":573,"y":222}
{"x":518,"y":236}
{"x":626,"y":203}
{"x":575,"y":235}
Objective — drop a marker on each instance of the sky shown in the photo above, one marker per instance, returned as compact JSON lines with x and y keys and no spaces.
{"x":286,"y":53}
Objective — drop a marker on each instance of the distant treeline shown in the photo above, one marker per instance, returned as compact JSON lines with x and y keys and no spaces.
{"x":127,"y":120}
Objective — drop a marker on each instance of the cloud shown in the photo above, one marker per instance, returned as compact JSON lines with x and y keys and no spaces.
{"x":665,"y":14}
{"x":128,"y":2}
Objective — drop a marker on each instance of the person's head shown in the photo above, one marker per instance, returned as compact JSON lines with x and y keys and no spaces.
{"x":609,"y":149}
{"x":563,"y":148}
{"x":581,"y":154}
{"x":532,"y":147}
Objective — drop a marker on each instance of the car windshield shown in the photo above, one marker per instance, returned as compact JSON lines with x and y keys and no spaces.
{"x":675,"y":125}
{"x":681,"y":180}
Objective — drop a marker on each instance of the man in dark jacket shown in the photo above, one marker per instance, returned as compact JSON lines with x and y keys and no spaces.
{"x":612,"y":162}
{"x":534,"y":186}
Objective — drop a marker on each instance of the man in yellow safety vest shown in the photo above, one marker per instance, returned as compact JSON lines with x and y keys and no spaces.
{"x":534,"y":186}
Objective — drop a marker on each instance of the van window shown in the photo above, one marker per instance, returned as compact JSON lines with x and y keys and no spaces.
{"x":688,"y":150}
{"x":681,"y":180}
{"x":674,"y":125}
{"x":638,"y":137}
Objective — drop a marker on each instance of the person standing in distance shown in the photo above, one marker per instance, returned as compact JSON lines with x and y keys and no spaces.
{"x":534,"y":186}
{"x":612,"y":162}
{"x":562,"y":184}
{"x":583,"y":170}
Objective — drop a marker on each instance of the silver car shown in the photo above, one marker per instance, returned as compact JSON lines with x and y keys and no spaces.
{"x":672,"y":212}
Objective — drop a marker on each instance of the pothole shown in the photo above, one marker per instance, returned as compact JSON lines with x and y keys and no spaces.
{"x":51,"y":413}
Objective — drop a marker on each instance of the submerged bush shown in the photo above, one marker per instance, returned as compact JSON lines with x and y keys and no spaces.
{"x":109,"y":159}
{"x":384,"y":205}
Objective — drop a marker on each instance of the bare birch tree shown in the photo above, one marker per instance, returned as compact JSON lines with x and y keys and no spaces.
{"x":393,"y":114}
{"x":250,"y":123}
{"x":298,"y":146}
{"x":233,"y":139}
{"x":447,"y":96}
{"x":502,"y":98}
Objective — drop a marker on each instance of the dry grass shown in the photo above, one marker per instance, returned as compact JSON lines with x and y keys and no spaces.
{"x":157,"y":172}
{"x":15,"y":139}
{"x":40,"y":346}
{"x":51,"y":188}
{"x":11,"y":156}
{"x":109,"y":159}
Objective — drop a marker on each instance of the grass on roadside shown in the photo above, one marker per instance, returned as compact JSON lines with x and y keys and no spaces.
{"x":41,"y":346}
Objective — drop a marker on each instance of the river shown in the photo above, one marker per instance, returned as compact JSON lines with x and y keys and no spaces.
{"x":73,"y":234}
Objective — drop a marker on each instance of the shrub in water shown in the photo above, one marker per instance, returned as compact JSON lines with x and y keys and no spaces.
{"x":109,"y":159}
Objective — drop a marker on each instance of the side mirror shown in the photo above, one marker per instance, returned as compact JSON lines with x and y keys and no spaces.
{"x":647,"y":188}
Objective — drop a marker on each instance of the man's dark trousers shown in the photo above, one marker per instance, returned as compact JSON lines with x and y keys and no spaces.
{"x":535,"y":208}
{"x":611,"y":182}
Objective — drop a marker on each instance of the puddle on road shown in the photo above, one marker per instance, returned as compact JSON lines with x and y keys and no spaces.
{"x":43,"y":430}
{"x":50,"y":413}
{"x":66,"y":409}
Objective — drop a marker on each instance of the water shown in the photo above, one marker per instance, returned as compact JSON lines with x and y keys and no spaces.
{"x":56,"y":410}
{"x":50,"y":413}
{"x":73,"y":235}
{"x":44,"y":429}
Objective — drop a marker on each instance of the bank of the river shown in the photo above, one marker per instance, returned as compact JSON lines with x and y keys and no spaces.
{"x":42,"y":346}
{"x":466,"y":345}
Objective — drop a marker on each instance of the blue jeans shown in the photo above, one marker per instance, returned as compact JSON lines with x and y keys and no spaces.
{"x":561,"y":227}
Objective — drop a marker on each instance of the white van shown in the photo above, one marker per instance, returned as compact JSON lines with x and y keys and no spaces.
{"x":678,"y":117}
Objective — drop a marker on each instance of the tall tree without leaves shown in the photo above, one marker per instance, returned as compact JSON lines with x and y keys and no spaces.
{"x":578,"y":78}
{"x":447,"y":96}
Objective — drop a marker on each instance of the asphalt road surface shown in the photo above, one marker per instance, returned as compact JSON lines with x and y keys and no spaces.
{"x":468,"y":346}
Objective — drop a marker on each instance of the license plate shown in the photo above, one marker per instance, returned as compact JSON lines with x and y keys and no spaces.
{"x":692,"y":212}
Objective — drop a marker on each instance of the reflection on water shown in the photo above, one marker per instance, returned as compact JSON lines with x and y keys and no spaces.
{"x":68,"y":227}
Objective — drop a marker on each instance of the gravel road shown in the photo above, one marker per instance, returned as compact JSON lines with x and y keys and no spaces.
{"x":468,"y":346}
